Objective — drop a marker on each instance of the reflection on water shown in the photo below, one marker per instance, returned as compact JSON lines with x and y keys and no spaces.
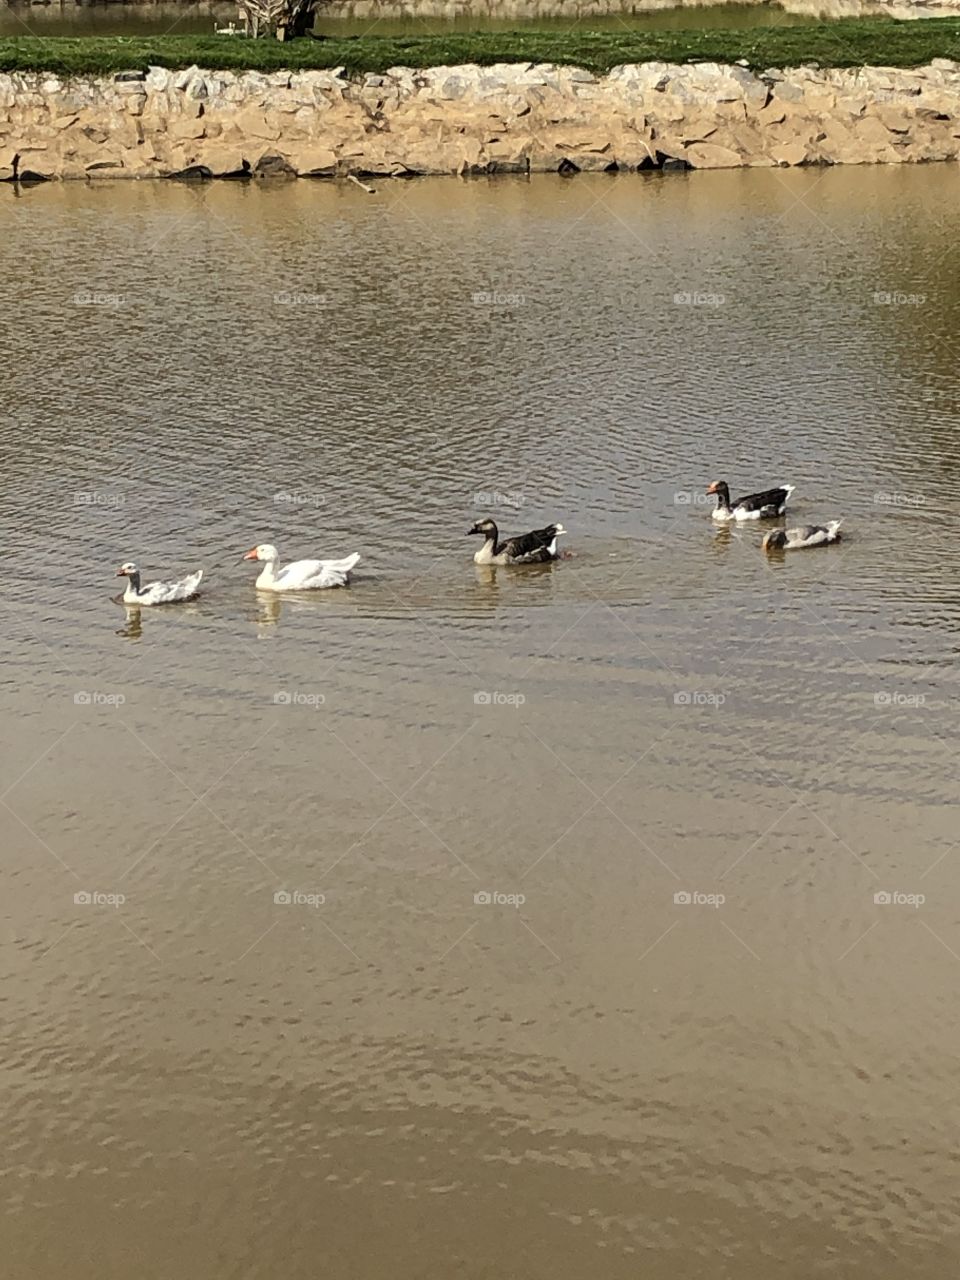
{"x":133,"y":629}
{"x":170,"y":17}
{"x":361,"y":17}
{"x":620,"y":1071}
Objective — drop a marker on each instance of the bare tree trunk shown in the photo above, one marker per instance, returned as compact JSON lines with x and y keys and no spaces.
{"x":285,"y":19}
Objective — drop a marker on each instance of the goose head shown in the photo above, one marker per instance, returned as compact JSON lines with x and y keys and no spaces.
{"x":485,"y":527}
{"x":127,"y":570}
{"x":263,"y":551}
{"x":775,"y":540}
{"x":719,"y":487}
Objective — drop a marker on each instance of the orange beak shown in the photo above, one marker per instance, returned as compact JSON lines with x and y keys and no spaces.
{"x":121,"y":573}
{"x":251,"y":555}
{"x":712,"y":488}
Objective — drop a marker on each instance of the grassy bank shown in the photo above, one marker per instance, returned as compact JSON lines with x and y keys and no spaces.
{"x":855,"y":42}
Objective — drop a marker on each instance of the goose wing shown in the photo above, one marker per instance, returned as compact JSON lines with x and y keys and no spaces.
{"x":311,"y":575}
{"x":768,"y":499}
{"x":529,"y":548}
{"x":814,"y":535}
{"x":168,"y":592}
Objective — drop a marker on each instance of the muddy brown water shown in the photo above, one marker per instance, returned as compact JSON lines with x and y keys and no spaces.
{"x":180,"y":17}
{"x":387,"y":1075}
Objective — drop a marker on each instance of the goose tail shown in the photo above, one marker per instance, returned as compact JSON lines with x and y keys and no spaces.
{"x":344,"y":565}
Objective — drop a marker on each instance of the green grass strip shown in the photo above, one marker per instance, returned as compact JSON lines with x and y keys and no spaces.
{"x":847,"y":43}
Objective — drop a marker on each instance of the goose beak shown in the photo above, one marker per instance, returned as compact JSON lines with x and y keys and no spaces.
{"x":472,"y":529}
{"x":121,"y":573}
{"x":712,"y":488}
{"x":251,"y":554}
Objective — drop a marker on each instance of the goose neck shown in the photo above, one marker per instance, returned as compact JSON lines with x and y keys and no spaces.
{"x":268,"y":572}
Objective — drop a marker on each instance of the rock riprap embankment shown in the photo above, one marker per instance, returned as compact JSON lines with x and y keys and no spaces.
{"x":509,"y":118}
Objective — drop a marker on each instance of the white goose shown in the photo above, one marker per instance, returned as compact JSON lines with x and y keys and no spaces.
{"x":301,"y":575}
{"x":157,"y":592}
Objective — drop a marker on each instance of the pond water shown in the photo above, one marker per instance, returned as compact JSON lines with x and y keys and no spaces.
{"x":701,"y":1044}
{"x":199,"y":19}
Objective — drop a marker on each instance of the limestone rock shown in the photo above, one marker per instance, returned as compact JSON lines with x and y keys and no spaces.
{"x":223,"y":161}
{"x":667,"y":149}
{"x":789,"y":153}
{"x":186,"y":128}
{"x":458,"y":119}
{"x":773,"y":113}
{"x":698,"y":130}
{"x":157,"y":79}
{"x":706,"y":155}
{"x":250,"y":123}
{"x":271,"y":165}
{"x":311,"y":162}
{"x":874,"y":131}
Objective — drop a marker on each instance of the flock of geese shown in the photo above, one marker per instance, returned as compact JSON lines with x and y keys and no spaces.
{"x":536,"y":547}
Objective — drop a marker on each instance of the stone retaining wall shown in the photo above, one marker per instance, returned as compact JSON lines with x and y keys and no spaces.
{"x":510,"y":118}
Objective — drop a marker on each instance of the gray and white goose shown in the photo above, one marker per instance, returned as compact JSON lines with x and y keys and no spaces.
{"x":807,"y":535}
{"x":157,"y":592}
{"x":536,"y":547}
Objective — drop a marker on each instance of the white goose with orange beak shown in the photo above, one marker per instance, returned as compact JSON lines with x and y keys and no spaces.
{"x":301,"y":575}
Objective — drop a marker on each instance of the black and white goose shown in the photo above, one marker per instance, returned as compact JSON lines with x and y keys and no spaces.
{"x":527,"y":548}
{"x":807,"y":535}
{"x":755,"y":506}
